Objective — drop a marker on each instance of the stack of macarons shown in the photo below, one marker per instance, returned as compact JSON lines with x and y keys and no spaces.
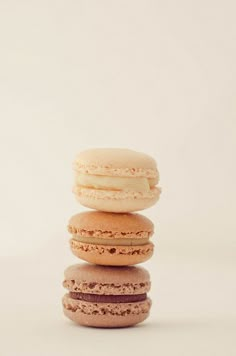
{"x":109,"y":291}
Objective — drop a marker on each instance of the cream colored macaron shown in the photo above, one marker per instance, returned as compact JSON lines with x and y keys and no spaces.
{"x":111,"y":239}
{"x":116,"y":180}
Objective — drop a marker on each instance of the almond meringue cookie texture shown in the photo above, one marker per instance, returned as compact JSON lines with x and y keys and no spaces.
{"x":116,"y":180}
{"x":111,"y":239}
{"x":106,"y":297}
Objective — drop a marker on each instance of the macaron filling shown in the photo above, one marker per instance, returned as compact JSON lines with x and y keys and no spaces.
{"x":112,"y":242}
{"x":98,"y":298}
{"x":100,"y":182}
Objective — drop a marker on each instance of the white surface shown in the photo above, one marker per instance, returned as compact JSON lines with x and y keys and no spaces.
{"x":159,"y":77}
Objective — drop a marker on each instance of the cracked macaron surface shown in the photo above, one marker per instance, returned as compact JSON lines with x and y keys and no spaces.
{"x":106,"y":296}
{"x":116,"y":180}
{"x":111,"y":239}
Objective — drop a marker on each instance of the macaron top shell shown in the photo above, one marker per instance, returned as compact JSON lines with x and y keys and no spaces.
{"x":116,"y":162}
{"x":101,"y":224}
{"x":107,"y":280}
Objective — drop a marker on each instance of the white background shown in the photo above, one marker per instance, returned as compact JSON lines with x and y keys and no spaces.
{"x":155,"y":76}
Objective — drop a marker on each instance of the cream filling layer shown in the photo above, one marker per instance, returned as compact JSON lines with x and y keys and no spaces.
{"x":111,"y":242}
{"x":137,"y":184}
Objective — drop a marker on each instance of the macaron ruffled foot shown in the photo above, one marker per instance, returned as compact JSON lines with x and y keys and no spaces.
{"x":106,"y":297}
{"x":111,"y":239}
{"x":116,"y":180}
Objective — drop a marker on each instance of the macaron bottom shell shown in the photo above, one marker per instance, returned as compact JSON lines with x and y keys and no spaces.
{"x":106,"y":315}
{"x":111,"y":255}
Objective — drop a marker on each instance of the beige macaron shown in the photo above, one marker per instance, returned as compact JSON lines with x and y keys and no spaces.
{"x":116,"y":180}
{"x":111,"y":239}
{"x":106,"y":297}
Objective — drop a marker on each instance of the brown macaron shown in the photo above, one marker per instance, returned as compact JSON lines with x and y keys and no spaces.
{"x":106,"y":297}
{"x":111,"y":239}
